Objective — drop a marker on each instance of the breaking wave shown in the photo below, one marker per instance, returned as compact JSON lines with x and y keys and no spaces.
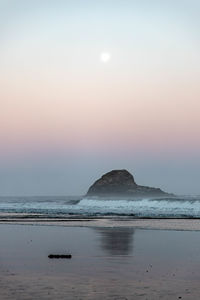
{"x":147,"y":207}
{"x":175,"y":207}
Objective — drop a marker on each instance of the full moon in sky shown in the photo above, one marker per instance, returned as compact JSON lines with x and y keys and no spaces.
{"x":105,"y":57}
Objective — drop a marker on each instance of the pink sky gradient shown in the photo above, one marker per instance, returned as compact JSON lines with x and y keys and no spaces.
{"x":58,"y":98}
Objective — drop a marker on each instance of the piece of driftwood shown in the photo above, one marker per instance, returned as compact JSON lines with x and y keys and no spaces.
{"x":60,"y":256}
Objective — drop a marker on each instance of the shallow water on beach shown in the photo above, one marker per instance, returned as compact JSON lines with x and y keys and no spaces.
{"x":107,"y":263}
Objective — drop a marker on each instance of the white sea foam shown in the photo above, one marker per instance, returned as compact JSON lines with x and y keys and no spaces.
{"x":144,"y":207}
{"x":186,"y":206}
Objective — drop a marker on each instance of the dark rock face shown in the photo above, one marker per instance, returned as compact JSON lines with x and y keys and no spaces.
{"x":121,"y":182}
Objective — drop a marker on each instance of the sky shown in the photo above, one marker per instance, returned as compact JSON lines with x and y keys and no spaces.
{"x":90,"y":86}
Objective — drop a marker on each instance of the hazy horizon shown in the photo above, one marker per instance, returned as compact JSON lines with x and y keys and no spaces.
{"x":91,"y":86}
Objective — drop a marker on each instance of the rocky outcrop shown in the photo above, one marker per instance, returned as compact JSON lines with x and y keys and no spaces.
{"x":120,"y":182}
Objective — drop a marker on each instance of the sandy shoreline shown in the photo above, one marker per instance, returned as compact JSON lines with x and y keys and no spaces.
{"x":162,"y":224}
{"x":114,"y":263}
{"x":111,"y":259}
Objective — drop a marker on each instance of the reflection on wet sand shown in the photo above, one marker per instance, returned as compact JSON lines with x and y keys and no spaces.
{"x":116,"y":241}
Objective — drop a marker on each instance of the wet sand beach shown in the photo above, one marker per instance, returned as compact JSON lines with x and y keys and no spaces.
{"x":119,"y":262}
{"x":110,"y":222}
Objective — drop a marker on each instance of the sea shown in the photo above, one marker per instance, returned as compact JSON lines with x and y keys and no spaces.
{"x":67,"y":206}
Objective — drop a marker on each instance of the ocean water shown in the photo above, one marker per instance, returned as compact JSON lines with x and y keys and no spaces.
{"x":169,"y":207}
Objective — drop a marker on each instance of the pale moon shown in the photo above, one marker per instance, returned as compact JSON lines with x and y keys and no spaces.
{"x":105,"y":57}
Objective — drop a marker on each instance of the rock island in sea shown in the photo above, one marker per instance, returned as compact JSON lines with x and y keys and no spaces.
{"x":117,"y":183}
